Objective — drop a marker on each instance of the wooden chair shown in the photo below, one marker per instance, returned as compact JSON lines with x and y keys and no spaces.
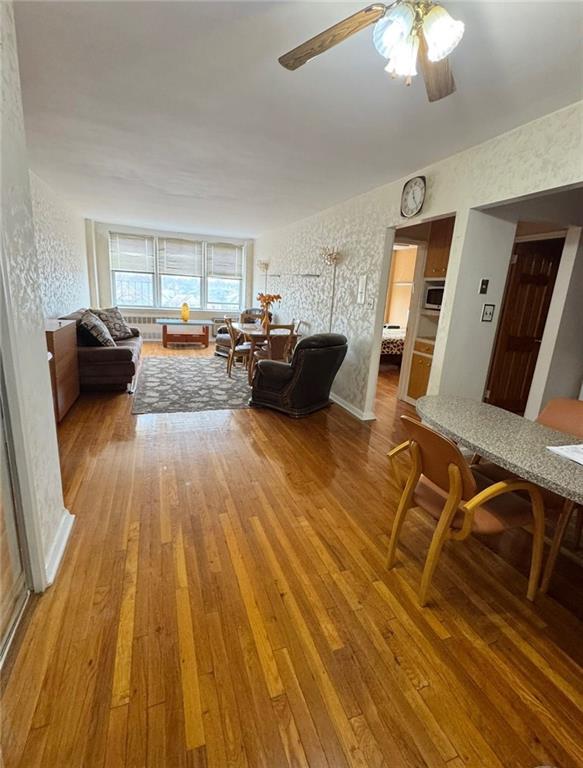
{"x":563,"y":415}
{"x":237,"y":351}
{"x":276,"y":348}
{"x":442,"y":483}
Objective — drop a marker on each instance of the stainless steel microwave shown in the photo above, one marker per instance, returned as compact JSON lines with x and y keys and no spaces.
{"x":433,"y":294}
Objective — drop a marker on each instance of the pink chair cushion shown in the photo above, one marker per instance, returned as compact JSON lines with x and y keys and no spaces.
{"x":502,"y":513}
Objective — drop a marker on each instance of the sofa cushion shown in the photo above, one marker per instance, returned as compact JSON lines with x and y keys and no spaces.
{"x":116,"y":325}
{"x":126,"y":351}
{"x":97,"y":328}
{"x":84,"y":338}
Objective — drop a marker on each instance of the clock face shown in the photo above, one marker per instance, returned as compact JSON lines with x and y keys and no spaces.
{"x":413,"y":196}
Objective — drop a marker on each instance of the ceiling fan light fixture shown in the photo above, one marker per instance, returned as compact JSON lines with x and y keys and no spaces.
{"x":393,"y":29}
{"x":442,"y":33}
{"x":403,"y":61}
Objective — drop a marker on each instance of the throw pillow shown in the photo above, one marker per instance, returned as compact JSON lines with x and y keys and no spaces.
{"x":97,"y":328}
{"x":115,"y":323}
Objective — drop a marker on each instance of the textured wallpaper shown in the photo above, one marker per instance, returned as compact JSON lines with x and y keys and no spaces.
{"x":541,"y":155}
{"x":60,"y":252}
{"x":23,"y":343}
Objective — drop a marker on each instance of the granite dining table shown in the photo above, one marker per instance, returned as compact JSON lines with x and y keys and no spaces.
{"x":511,"y":441}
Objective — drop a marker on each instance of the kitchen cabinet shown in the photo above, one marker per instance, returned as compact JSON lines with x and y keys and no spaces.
{"x":419,"y":375}
{"x":438,"y":248}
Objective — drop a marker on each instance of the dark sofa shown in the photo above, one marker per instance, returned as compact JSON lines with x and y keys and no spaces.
{"x":106,"y":368}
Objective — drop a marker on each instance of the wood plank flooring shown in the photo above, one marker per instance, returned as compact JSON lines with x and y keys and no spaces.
{"x":224,"y":602}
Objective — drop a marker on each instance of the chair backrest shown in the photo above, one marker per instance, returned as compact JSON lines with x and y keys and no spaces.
{"x":316,"y":361}
{"x":233,"y":332}
{"x":278,"y":344}
{"x":252,"y":314}
{"x":564,"y":415}
{"x":437,"y":453}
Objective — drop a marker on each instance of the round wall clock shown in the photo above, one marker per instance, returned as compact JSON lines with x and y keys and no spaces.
{"x":413,"y":196}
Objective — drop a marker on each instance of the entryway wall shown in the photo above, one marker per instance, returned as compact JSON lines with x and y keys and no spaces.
{"x":467,"y":342}
{"x":22,"y":341}
{"x":559,"y":368}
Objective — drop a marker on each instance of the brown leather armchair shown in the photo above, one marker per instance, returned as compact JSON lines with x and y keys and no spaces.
{"x":302,"y":386}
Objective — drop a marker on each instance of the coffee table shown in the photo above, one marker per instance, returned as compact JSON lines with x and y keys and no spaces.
{"x":168,"y":337}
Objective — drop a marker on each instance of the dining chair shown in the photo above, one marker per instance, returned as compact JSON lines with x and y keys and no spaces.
{"x":238,"y":350}
{"x":276,"y":347}
{"x":563,"y":415}
{"x":442,"y":483}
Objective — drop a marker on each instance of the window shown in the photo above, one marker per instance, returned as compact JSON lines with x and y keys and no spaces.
{"x":132,"y":268}
{"x":164,"y":272}
{"x":180,"y":270}
{"x":224,"y":276}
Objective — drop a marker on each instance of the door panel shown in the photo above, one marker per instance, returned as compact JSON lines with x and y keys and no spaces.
{"x":529,"y":288}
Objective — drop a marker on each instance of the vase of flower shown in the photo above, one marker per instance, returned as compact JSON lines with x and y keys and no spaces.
{"x":185,"y":312}
{"x":265,"y":302}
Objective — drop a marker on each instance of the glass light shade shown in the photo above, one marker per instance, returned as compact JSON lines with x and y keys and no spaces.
{"x":393,"y":28}
{"x":442,"y":33}
{"x":403,"y":61}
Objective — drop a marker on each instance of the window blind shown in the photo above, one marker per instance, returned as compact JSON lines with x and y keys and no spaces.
{"x":179,"y":257}
{"x":224,"y":260}
{"x":131,"y":253}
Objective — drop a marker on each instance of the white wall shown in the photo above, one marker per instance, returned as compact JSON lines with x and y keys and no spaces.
{"x":559,"y":367}
{"x":542,"y":155}
{"x":486,"y":253}
{"x":60,"y":251}
{"x":22,"y":339}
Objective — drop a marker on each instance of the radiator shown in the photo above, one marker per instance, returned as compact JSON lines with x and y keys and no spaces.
{"x":146,"y":324}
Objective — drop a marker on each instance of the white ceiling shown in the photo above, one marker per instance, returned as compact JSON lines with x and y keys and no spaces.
{"x":177,"y":115}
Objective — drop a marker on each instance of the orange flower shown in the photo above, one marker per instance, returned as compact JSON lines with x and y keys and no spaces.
{"x":267,"y":299}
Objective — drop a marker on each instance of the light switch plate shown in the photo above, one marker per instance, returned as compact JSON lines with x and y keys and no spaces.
{"x":484,"y":283}
{"x":361,"y":289}
{"x":488,"y":313}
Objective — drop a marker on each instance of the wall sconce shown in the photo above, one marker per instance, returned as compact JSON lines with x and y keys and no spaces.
{"x":330,"y":256}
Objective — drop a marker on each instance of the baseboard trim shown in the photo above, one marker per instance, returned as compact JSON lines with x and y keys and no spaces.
{"x":59,"y":545}
{"x":362,"y":415}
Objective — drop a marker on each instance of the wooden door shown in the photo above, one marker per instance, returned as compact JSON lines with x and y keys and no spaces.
{"x":419,"y":375}
{"x":438,"y":247}
{"x":529,"y":288}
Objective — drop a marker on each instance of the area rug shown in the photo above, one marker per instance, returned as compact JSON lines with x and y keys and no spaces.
{"x":186,"y":384}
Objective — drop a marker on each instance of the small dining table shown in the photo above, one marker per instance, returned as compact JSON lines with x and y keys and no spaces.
{"x":256,"y":334}
{"x":511,"y":441}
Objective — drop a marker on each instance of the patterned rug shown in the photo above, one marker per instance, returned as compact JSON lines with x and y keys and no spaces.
{"x":186,"y":384}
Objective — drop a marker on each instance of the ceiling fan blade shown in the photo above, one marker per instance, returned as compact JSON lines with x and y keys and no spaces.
{"x":336,"y":34}
{"x":439,"y":81}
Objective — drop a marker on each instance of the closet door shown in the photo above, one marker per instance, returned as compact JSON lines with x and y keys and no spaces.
{"x":13,"y":590}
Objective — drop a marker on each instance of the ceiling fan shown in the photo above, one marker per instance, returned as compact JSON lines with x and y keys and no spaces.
{"x":406,"y":32}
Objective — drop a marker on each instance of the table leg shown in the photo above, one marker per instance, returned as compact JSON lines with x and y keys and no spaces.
{"x":164,"y":335}
{"x":205,"y":333}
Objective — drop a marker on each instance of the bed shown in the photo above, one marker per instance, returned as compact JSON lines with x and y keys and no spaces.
{"x":392,"y":345}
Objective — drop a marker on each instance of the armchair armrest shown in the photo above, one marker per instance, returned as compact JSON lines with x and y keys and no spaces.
{"x":274,"y":372}
{"x":391,"y":455}
{"x":498,"y":489}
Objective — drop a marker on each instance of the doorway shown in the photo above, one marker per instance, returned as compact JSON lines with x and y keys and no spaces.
{"x":527,"y":297}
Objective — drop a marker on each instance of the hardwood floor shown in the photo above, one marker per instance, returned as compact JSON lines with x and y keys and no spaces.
{"x":224,"y":602}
